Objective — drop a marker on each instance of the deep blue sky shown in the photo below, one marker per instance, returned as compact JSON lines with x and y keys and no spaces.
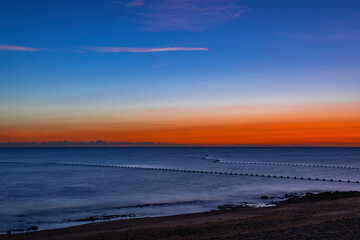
{"x":253,"y":52}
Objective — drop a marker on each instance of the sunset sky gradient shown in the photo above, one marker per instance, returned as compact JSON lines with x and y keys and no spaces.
{"x":188,"y":71}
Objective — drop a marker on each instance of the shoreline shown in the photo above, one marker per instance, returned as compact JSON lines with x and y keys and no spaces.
{"x":325,"y":216}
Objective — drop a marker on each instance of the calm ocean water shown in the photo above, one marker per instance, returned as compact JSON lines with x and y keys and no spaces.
{"x":59,"y":187}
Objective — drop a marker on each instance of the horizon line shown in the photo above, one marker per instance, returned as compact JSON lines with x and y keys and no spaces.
{"x":105,"y":144}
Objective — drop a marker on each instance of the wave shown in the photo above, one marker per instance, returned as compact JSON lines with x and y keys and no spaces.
{"x":163,"y":204}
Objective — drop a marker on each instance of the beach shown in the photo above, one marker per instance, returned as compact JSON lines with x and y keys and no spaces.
{"x":315,"y":219}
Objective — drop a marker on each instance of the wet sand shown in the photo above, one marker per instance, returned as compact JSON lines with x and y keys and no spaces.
{"x":326,"y":219}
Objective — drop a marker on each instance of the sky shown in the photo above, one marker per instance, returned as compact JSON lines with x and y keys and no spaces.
{"x":266,"y":72}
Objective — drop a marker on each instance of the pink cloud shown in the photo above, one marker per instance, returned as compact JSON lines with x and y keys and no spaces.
{"x":136,"y":3}
{"x":185,"y":14}
{"x":18,"y":48}
{"x":143,"y":50}
{"x":133,"y":3}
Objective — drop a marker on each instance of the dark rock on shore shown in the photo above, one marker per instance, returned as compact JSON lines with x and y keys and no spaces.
{"x":290,"y":195}
{"x":231,"y":206}
{"x":31,"y":228}
{"x":149,"y":204}
{"x":314,"y":197}
{"x":101,"y":218}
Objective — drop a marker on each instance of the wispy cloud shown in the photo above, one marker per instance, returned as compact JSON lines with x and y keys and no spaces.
{"x":320,"y":37}
{"x":107,"y":49}
{"x":202,"y":108}
{"x":18,"y":48}
{"x":153,"y":110}
{"x":136,"y":3}
{"x":160,"y":65}
{"x":133,"y":3}
{"x":142,"y":50}
{"x":184,"y":14}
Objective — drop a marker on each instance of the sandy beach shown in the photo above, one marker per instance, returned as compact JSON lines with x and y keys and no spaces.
{"x":324,"y":219}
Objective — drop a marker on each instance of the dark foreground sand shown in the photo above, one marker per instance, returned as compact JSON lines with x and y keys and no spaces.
{"x":326,"y":219}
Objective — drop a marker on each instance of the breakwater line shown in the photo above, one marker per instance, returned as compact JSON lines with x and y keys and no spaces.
{"x":283,"y":164}
{"x":199,"y":171}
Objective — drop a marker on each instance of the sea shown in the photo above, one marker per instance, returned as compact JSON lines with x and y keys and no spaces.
{"x":47,"y":188}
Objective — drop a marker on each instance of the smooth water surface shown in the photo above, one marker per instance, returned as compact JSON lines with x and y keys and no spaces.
{"x":58,"y":187}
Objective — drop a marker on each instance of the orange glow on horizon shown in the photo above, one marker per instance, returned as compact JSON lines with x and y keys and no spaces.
{"x":320,"y":125}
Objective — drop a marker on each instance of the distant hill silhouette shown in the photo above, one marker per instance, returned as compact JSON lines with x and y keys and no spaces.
{"x":101,"y":143}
